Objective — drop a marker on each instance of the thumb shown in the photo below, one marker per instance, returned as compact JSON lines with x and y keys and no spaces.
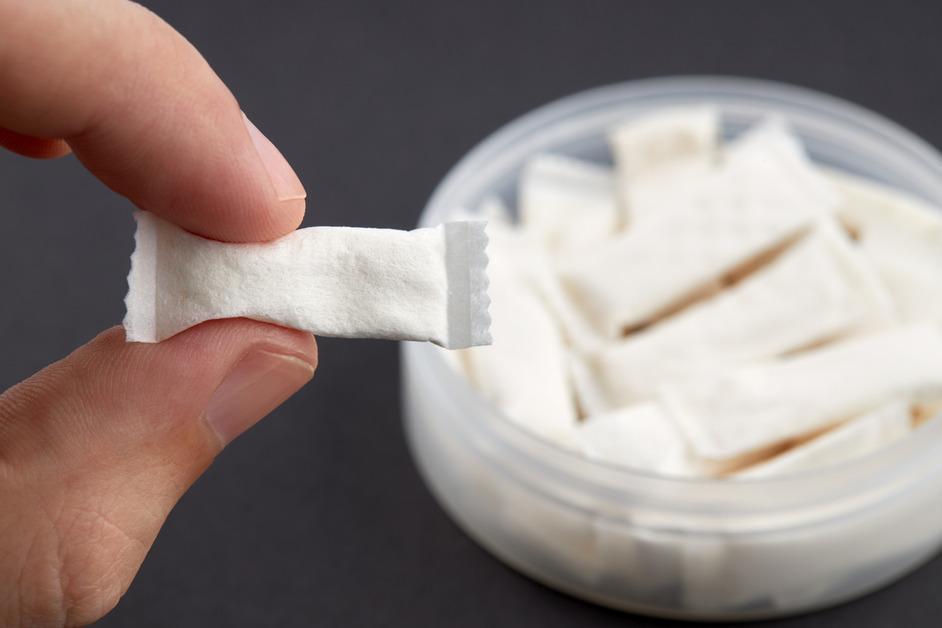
{"x":97,"y":448}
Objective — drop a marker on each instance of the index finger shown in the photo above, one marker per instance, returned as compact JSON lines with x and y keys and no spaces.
{"x":145,"y":113}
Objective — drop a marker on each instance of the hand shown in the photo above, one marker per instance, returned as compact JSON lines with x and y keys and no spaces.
{"x":97,"y":448}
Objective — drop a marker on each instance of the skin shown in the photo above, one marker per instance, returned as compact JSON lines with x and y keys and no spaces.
{"x":97,"y":448}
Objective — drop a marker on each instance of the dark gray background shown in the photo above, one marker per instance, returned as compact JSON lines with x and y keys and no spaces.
{"x":317,"y":516}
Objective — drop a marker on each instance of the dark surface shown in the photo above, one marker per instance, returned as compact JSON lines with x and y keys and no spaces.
{"x":317,"y":516}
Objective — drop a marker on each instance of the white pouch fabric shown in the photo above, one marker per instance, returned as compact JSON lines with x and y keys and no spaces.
{"x":567,"y":203}
{"x":591,"y":398}
{"x":634,"y":278}
{"x":667,"y":138}
{"x":658,"y":148}
{"x":764,"y":193}
{"x":535,"y":267}
{"x":524,"y":372}
{"x":765,"y":165}
{"x":732,"y":414}
{"x":642,"y":436}
{"x":858,"y":437}
{"x":427,"y":284}
{"x":771,"y":156}
{"x":902,"y":236}
{"x":816,"y":290}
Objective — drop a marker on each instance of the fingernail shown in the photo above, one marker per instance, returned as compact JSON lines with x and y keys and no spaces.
{"x":258,"y":384}
{"x":287,"y":184}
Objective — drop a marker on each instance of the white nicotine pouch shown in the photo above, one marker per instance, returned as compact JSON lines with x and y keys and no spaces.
{"x":762,"y":196}
{"x":670,"y":138}
{"x":568,"y":203}
{"x":815,"y":291}
{"x":635,"y":278}
{"x":427,"y":284}
{"x":875,"y":430}
{"x":641,"y":436}
{"x":731,"y":414}
{"x":524,"y":372}
{"x":902,"y":236}
{"x":654,"y":150}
